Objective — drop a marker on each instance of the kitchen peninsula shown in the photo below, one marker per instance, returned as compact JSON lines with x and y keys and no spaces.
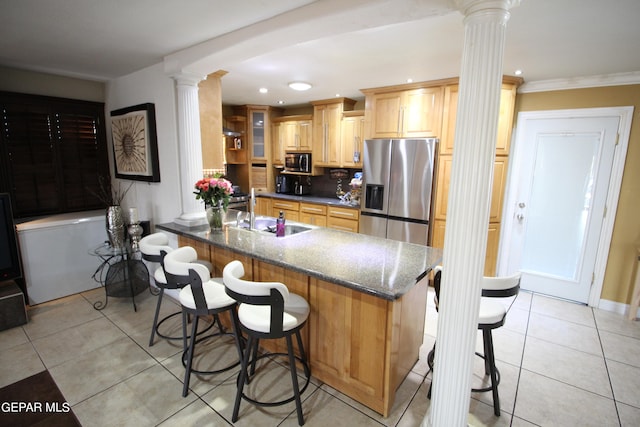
{"x":367,"y":297}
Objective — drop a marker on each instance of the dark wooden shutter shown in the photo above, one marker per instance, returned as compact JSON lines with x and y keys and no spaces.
{"x":52,"y":150}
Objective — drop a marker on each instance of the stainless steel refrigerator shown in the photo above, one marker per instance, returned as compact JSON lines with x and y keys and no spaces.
{"x":397,"y":184}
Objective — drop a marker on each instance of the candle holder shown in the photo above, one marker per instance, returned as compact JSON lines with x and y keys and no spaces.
{"x":135,"y":231}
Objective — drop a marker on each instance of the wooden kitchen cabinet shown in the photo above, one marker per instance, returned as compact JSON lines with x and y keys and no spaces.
{"x":443,"y":174}
{"x":314,"y":214}
{"x":344,"y":219}
{"x":406,"y":113}
{"x":327,"y":120}
{"x":290,"y":209}
{"x":361,"y":344}
{"x":277,"y":145}
{"x":352,"y":139}
{"x":294,"y":133}
{"x":258,"y":138}
{"x":443,"y":179}
{"x":357,"y":360}
{"x":258,"y":173}
{"x":298,"y":134}
{"x":263,"y":206}
{"x":505,"y":120}
{"x":493,"y":239}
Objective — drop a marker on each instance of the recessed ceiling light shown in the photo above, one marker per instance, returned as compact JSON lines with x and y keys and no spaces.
{"x":518,"y":72}
{"x":264,"y":90}
{"x":281,"y":102}
{"x":337,"y":95}
{"x":299,"y":86}
{"x":409,"y":80}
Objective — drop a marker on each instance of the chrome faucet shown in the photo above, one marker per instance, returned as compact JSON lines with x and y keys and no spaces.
{"x":252,"y":208}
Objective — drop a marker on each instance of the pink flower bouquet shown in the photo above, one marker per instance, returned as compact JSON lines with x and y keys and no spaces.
{"x":213,"y":191}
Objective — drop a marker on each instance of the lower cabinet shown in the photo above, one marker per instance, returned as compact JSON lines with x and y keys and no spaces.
{"x":362,"y":345}
{"x":290,"y":209}
{"x":348,"y":339}
{"x":344,"y":219}
{"x":263,"y":206}
{"x":337,"y":217}
{"x":311,"y":213}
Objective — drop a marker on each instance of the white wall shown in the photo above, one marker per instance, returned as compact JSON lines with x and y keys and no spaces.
{"x":161,"y":201}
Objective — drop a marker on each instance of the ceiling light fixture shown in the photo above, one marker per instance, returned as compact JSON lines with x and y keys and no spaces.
{"x":264,"y":90}
{"x":518,"y":72}
{"x":299,"y":86}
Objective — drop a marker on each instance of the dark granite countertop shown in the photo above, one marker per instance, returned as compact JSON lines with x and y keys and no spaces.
{"x":333,"y":201}
{"x":381,"y":267}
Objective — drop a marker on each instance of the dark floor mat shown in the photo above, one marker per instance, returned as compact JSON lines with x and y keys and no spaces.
{"x":35,"y":401}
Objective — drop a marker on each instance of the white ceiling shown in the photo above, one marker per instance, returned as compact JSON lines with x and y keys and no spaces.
{"x":340,"y":46}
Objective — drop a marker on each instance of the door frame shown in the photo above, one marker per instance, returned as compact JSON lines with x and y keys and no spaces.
{"x":625,"y":116}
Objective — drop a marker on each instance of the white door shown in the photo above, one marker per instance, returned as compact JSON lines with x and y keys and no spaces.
{"x":558,"y":185}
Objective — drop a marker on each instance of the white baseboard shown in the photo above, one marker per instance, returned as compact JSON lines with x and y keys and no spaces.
{"x":616,"y":307}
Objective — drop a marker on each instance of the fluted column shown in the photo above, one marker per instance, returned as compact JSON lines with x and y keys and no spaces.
{"x":468,"y":208}
{"x":190,"y":148}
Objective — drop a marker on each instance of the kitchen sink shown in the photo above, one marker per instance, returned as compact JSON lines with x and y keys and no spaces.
{"x":267,"y":224}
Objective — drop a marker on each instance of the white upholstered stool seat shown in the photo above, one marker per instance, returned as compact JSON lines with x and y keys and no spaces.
{"x":267,"y":310}
{"x":200,"y":295}
{"x":491,"y":311}
{"x":257,"y":317}
{"x":214,"y":295}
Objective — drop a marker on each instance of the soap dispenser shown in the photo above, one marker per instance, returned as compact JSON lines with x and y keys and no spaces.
{"x":280,"y":225}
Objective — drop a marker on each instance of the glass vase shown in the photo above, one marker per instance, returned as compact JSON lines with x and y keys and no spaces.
{"x":215,"y":217}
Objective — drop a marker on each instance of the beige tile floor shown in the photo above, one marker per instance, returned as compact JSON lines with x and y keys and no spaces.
{"x":562,"y":364}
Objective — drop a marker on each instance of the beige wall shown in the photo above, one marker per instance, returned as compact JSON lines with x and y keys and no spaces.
{"x":210,"y":101}
{"x":34,"y":83}
{"x":626,"y":233}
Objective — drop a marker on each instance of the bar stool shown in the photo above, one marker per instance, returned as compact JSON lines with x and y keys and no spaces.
{"x":200,"y":296}
{"x":491,"y":315}
{"x":153,"y":247}
{"x":267,"y":311}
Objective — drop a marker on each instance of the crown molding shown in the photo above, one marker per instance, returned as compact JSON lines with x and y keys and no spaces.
{"x":619,"y":79}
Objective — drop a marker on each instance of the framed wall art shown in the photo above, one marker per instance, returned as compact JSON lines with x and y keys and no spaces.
{"x":135,"y":143}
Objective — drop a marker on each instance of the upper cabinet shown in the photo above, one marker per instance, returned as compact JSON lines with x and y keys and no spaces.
{"x":295,"y":133}
{"x":352,"y":139}
{"x":393,"y":113}
{"x":258,"y":118}
{"x":327,"y":132}
{"x":257,"y":135}
{"x":505,"y":121}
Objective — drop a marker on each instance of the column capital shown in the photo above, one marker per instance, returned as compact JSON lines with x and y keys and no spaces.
{"x":468,"y":7}
{"x":188,"y":79}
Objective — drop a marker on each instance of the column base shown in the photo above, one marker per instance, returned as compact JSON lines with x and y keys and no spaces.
{"x":192,"y":219}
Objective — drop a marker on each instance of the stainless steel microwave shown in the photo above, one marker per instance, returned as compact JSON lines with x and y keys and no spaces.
{"x":297,"y":162}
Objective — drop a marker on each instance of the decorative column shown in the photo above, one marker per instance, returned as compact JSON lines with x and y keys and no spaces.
{"x":468,"y":209}
{"x":190,"y":148}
